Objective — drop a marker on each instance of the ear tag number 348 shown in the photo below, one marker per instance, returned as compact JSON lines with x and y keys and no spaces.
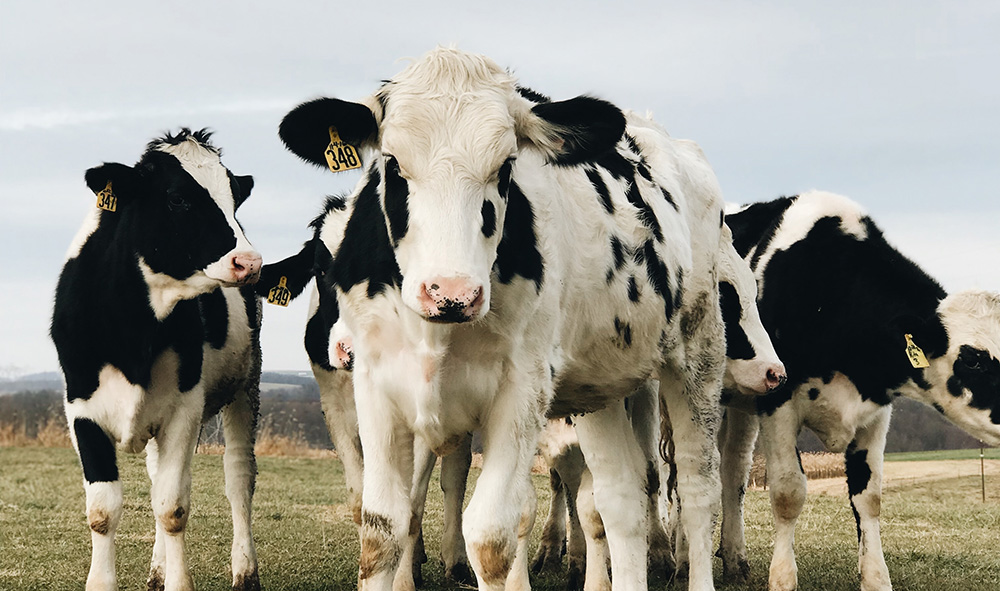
{"x":280,"y":295}
{"x":339,"y":155}
{"x":106,"y":198}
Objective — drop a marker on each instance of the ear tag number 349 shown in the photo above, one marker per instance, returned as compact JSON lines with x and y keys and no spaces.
{"x":339,"y":155}
{"x":280,"y":295}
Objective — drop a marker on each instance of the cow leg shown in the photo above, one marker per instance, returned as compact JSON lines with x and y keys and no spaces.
{"x":645,"y":411}
{"x":863,"y":461}
{"x":495,"y":519}
{"x":454,"y":476}
{"x":336,"y":394}
{"x":239,"y":423}
{"x":596,"y":575}
{"x":576,"y":542}
{"x":408,"y":574}
{"x":736,"y":441}
{"x":104,"y":498}
{"x":158,"y":564}
{"x":619,"y":472}
{"x":517,"y":578}
{"x":552,"y":546}
{"x":787,"y":483}
{"x":692,"y":401}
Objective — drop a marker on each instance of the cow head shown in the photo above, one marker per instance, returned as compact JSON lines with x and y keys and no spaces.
{"x":444,"y":137}
{"x":752,"y":366}
{"x":964,"y":381}
{"x":178,"y":207}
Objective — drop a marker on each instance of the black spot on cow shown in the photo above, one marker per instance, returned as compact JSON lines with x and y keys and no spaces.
{"x":97,"y":452}
{"x":670,"y":199}
{"x":617,"y":253}
{"x":214,"y":317}
{"x":489,"y":218}
{"x":737,"y":344}
{"x":319,"y":325}
{"x":656,"y":271}
{"x":978,"y":372}
{"x":396,"y":193}
{"x":602,"y":189}
{"x":617,"y":165}
{"x":813,"y":393}
{"x":938,"y":407}
{"x":633,"y":290}
{"x":517,"y":254}
{"x":858,"y":471}
{"x":503,"y":177}
{"x":365,"y":253}
{"x":833,"y":303}
{"x":644,"y":210}
{"x":624,"y":332}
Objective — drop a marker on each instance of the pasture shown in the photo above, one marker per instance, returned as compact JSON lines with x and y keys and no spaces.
{"x":937,"y":534}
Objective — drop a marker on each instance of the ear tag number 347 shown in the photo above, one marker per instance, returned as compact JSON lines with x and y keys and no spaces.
{"x":280,"y":295}
{"x":339,"y":155}
{"x":106,"y":198}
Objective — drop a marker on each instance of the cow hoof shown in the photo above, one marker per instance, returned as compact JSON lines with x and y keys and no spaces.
{"x":548,"y":558}
{"x":155,"y":580}
{"x":460,"y":573}
{"x":738,"y":573}
{"x":247,"y":582}
{"x":575,"y":578}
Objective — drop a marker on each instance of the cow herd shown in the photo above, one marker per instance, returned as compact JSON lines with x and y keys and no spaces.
{"x":556,"y":275}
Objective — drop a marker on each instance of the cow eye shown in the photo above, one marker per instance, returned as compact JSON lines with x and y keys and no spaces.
{"x":178,"y":203}
{"x":974,"y":359}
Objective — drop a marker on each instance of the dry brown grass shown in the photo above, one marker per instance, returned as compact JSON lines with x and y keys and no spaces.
{"x":52,"y":432}
{"x":817,"y":465}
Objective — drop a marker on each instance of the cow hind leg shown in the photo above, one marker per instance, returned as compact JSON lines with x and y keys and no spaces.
{"x":104,"y":500}
{"x":552,"y":546}
{"x":595,"y":576}
{"x":787,"y":484}
{"x":737,"y":437}
{"x":454,"y":477}
{"x":239,"y":421}
{"x":619,"y":475}
{"x":863,"y":462}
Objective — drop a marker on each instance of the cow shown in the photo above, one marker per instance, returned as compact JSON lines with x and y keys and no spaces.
{"x":156,"y":326}
{"x":857,"y":324}
{"x":752,"y":368}
{"x":504,"y":258}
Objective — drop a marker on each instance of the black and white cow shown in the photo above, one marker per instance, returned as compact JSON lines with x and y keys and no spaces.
{"x":504,"y":257}
{"x":857,"y":324}
{"x":157,"y":328}
{"x":752,"y":368}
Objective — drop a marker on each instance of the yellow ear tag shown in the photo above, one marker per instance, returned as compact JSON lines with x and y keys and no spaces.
{"x":915,"y":354}
{"x":341,"y":156}
{"x":280,"y":295}
{"x":106,"y":198}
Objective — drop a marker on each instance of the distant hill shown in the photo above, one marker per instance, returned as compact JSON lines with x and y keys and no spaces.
{"x":49,"y":380}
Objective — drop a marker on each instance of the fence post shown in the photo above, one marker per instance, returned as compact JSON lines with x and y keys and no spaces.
{"x":982,"y":468}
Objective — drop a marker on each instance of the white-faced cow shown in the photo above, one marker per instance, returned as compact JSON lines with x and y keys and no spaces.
{"x":504,"y":257}
{"x":857,"y":324}
{"x":752,"y":368}
{"x":157,"y":328}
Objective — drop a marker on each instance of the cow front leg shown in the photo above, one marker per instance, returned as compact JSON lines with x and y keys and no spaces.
{"x":454,"y":477}
{"x":336,"y":395}
{"x":736,"y":441}
{"x":863,"y":463}
{"x":408,"y":575}
{"x":239,"y":422}
{"x":595,"y":576}
{"x":787,"y":484}
{"x":618,"y":467}
{"x":158,"y":564}
{"x":496,"y":523}
{"x":104,"y":499}
{"x":645,"y":417}
{"x":171,"y":487}
{"x":691,"y":399}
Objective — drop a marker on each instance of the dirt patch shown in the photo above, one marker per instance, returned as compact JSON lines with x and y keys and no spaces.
{"x":898,"y":474}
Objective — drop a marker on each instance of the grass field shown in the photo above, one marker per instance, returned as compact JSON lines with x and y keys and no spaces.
{"x":937,"y":536}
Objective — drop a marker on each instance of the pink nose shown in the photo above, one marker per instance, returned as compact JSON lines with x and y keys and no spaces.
{"x":344,"y":352}
{"x":774,"y":378}
{"x":245,"y":267}
{"x":450,"y":299}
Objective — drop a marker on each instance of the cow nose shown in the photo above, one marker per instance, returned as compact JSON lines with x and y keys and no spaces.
{"x":245,"y":267}
{"x":452,"y":299}
{"x":344,"y":353}
{"x":774,"y":378}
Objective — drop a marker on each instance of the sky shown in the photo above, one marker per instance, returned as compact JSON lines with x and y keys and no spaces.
{"x":892,"y":103}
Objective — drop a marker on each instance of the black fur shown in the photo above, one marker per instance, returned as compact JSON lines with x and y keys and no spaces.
{"x":858,"y":471}
{"x":305,"y":129}
{"x":396,"y":193}
{"x":214,"y":317}
{"x":833,"y":303}
{"x":645,"y":212}
{"x":975,"y":370}
{"x":588,"y":127}
{"x":602,"y":189}
{"x":489,"y":218}
{"x":517,"y":254}
{"x":633,"y":289}
{"x":737,"y":344}
{"x":97,"y":452}
{"x":532,"y":95}
{"x":658,"y":278}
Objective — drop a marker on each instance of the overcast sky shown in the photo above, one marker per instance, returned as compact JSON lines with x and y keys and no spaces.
{"x":894,"y":104}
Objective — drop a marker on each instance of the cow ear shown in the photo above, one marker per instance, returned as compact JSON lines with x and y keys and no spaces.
{"x":305,"y":130}
{"x":244,"y":185}
{"x":296,"y":270}
{"x":927,"y":333}
{"x":574,"y":131}
{"x":124,"y":180}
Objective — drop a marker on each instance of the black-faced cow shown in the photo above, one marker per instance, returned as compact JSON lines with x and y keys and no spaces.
{"x":857,"y":324}
{"x":157,"y":328}
{"x":752,"y":368}
{"x":504,"y":256}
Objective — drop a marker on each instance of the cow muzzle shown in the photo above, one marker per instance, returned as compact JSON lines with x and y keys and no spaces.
{"x":450,"y":300}
{"x":237,"y":268}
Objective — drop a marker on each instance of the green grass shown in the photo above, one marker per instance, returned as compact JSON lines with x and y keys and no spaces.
{"x":991,"y":453}
{"x":937,"y":536}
